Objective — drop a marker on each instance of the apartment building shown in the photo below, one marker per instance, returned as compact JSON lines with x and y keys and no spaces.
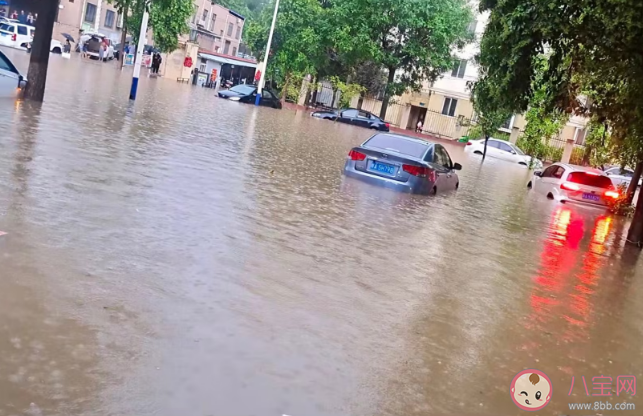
{"x":216,"y":28}
{"x":90,"y":16}
{"x":446,"y":109}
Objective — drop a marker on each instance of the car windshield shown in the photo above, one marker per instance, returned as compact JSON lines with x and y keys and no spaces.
{"x":588,"y":179}
{"x":397,"y":144}
{"x":243,"y":89}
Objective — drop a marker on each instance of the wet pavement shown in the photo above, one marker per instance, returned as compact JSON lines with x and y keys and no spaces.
{"x":185,"y":255}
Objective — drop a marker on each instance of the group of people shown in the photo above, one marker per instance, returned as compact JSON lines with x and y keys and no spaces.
{"x":22,"y":17}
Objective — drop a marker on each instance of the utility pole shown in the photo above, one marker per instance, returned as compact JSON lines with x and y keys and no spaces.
{"x":264,"y":68}
{"x":39,"y":60}
{"x":139,"y":54}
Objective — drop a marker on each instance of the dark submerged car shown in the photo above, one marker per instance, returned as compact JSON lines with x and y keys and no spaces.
{"x":248,"y":93}
{"x":355,"y":117}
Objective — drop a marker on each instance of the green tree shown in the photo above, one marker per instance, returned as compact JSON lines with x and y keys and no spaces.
{"x":168,"y":20}
{"x":487,"y":105}
{"x":296,"y":40}
{"x":594,"y":51}
{"x":412,"y":40}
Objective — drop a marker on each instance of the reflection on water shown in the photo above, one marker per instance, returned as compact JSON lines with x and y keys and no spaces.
{"x":188,"y":255}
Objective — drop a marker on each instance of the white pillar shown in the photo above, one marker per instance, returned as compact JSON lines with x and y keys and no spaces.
{"x":262,"y":80}
{"x":569,"y":147}
{"x":139,"y":55}
{"x":97,"y":20}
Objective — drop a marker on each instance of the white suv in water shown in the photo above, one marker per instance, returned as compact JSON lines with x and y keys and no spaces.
{"x":570,"y":183}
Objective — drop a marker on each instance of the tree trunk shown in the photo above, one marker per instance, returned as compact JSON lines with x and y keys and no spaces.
{"x":39,"y":61}
{"x":284,"y":89}
{"x":308,"y":92}
{"x":389,"y":81}
{"x":484,"y":151}
{"x":123,"y":35}
{"x":631,"y":189}
{"x":635,"y":233}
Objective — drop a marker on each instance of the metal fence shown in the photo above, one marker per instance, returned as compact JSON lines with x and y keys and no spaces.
{"x":394,"y":110}
{"x":324,"y":96}
{"x":442,"y":125}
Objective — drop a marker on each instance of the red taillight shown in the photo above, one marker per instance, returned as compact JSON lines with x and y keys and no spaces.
{"x":469,"y":143}
{"x":570,"y":186}
{"x":420,"y":171}
{"x":355,"y":155}
{"x":612,"y":194}
{"x":14,"y":37}
{"x":387,"y":125}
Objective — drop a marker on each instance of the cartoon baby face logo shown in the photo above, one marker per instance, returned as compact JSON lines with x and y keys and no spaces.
{"x":531,"y":390}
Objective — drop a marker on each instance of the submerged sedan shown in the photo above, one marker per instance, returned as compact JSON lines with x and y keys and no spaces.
{"x":403,"y":163}
{"x":504,"y":150}
{"x":248,"y":93}
{"x":563,"y":182}
{"x":355,"y":117}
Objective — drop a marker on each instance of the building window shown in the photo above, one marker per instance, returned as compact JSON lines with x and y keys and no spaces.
{"x":472,"y":27}
{"x":238,"y":32}
{"x":226,"y":47}
{"x":109,"y":18}
{"x":230,"y":29}
{"x":448,"y":109}
{"x":460,"y":67}
{"x":205,"y":15}
{"x":234,"y":51}
{"x":507,"y":125}
{"x":90,"y":13}
{"x":214,"y":19}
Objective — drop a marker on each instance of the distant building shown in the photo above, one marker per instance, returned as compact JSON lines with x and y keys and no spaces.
{"x":89,"y":15}
{"x":215,"y":28}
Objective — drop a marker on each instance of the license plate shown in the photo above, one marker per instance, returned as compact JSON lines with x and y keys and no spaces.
{"x":382,"y":168}
{"x":591,"y":197}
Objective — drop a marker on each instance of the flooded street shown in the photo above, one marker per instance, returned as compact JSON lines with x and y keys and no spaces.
{"x":185,"y":255}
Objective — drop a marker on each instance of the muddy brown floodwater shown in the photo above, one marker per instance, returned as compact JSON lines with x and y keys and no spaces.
{"x":185,"y":255}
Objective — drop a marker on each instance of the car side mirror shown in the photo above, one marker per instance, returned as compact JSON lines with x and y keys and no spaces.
{"x":608,"y":173}
{"x":538,"y":173}
{"x":457,"y":166}
{"x":513,"y":152}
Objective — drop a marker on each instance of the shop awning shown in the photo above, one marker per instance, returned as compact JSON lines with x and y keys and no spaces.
{"x":223,"y":60}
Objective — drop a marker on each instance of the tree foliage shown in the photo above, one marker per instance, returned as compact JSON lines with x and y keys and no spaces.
{"x":595,"y":64}
{"x":412,"y":40}
{"x":168,"y":20}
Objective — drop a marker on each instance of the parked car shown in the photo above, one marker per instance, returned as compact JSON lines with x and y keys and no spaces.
{"x":248,"y":93}
{"x":147,"y":50}
{"x":620,"y":176}
{"x":403,"y":163}
{"x":355,"y":117}
{"x":11,"y":80}
{"x":501,"y":149}
{"x":16,"y":34}
{"x":93,"y":41}
{"x":54,"y":47}
{"x":570,"y":183}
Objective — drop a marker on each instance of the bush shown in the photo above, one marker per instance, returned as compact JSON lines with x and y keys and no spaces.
{"x":578,"y":154}
{"x":620,"y":206}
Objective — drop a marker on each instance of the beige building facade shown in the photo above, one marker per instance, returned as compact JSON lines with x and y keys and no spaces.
{"x":89,"y":15}
{"x":215,"y":28}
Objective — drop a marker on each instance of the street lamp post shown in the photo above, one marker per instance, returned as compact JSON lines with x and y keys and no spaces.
{"x":139,"y":55}
{"x":262,"y":79}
